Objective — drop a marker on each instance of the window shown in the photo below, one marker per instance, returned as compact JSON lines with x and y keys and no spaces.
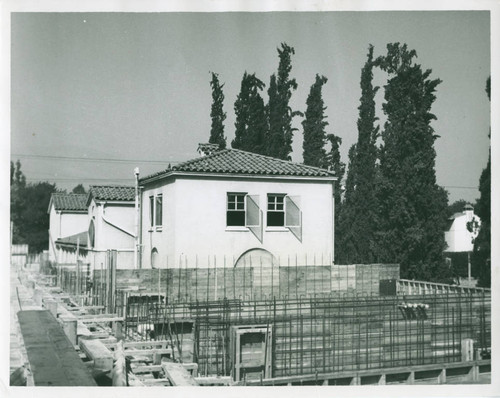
{"x":158,"y":214}
{"x":276,"y":210}
{"x":235,"y":210}
{"x":152,"y":210}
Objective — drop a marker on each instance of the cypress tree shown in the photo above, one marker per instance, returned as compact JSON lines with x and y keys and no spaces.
{"x":314,"y":125}
{"x":356,"y":241}
{"x":412,"y":217}
{"x":280,"y":134}
{"x":481,"y":256}
{"x":217,"y":113}
{"x":334,"y":163}
{"x":251,"y":121}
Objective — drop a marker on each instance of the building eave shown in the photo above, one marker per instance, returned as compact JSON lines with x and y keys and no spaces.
{"x":176,"y":174}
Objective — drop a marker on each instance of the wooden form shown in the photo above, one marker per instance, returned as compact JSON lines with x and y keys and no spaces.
{"x":178,"y":375}
{"x":96,"y":351}
{"x":423,"y":374}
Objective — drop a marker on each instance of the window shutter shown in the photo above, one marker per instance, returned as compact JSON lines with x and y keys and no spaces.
{"x":293,"y":216}
{"x":253,"y":216}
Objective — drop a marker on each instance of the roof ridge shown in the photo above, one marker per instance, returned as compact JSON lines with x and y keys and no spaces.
{"x":199,"y":158}
{"x":112,"y":185}
{"x":280,"y":160}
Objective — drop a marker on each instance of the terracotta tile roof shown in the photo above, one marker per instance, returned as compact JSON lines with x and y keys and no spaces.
{"x":234,"y":161}
{"x":69,"y":201}
{"x":112,"y":192}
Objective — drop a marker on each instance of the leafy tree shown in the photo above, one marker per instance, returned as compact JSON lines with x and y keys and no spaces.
{"x":217,"y":113}
{"x":79,"y":189}
{"x":481,"y":256}
{"x":358,"y":215}
{"x":314,"y":125}
{"x":251,"y":121}
{"x":412,"y":217}
{"x":34,"y":218}
{"x":456,"y":207}
{"x":280,"y":115}
{"x":28,"y":210}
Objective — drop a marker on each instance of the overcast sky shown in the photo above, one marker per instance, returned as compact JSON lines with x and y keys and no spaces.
{"x":135,"y":87}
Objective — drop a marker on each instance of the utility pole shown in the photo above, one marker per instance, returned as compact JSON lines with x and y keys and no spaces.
{"x":136,"y":246}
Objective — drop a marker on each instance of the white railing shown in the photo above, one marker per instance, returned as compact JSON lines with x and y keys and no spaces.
{"x":405,"y":286}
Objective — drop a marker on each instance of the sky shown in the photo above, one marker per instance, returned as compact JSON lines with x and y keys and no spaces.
{"x":94,"y":95}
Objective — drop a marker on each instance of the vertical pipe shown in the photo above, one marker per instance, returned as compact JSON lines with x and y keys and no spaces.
{"x":136,"y":211}
{"x":260,"y":261}
{"x":215,"y":278}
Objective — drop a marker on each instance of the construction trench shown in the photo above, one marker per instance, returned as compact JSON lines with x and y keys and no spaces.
{"x":296,"y":325}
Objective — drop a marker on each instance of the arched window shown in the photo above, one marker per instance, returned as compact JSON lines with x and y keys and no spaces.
{"x":91,"y":234}
{"x":155,"y":258}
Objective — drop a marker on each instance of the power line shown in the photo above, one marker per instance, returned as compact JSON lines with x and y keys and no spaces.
{"x":84,"y":159}
{"x":77,"y":179}
{"x":458,"y":187}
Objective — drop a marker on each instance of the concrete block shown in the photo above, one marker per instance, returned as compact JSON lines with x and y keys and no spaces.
{"x":70,"y":328}
{"x":37,"y":296}
{"x":51,"y":305}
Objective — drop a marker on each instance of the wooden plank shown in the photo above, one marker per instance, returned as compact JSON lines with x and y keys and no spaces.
{"x":178,"y":375}
{"x":215,"y":381}
{"x":53,"y":359}
{"x":148,"y":344}
{"x":97,"y":352}
{"x":148,"y":352}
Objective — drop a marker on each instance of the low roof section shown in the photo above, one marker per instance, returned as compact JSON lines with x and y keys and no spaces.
{"x":241,"y":163}
{"x":71,"y":242}
{"x":68,"y":202}
{"x":115,"y":193}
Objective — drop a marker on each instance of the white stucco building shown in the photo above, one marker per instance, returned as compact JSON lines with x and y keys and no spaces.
{"x":233,"y":206}
{"x":459,"y":237}
{"x":67,"y":217}
{"x":111,"y":224}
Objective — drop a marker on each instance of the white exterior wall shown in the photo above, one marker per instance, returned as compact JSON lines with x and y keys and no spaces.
{"x":112,"y":237}
{"x":63,"y":224}
{"x":194,"y":222}
{"x":458,"y":238}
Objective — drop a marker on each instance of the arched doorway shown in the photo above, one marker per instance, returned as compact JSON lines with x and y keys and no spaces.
{"x":261,"y":273}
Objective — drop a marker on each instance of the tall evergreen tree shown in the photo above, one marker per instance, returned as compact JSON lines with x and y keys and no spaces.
{"x":280,"y":115}
{"x":412,"y":215}
{"x":80,"y":189}
{"x":17,"y":199}
{"x":356,"y":242}
{"x":481,"y":257}
{"x":314,"y":125}
{"x":217,"y":113}
{"x":251,"y":121}
{"x":334,"y":163}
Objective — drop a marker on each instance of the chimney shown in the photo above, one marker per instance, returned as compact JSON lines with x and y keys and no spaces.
{"x":469,"y":211}
{"x":207,"y":149}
